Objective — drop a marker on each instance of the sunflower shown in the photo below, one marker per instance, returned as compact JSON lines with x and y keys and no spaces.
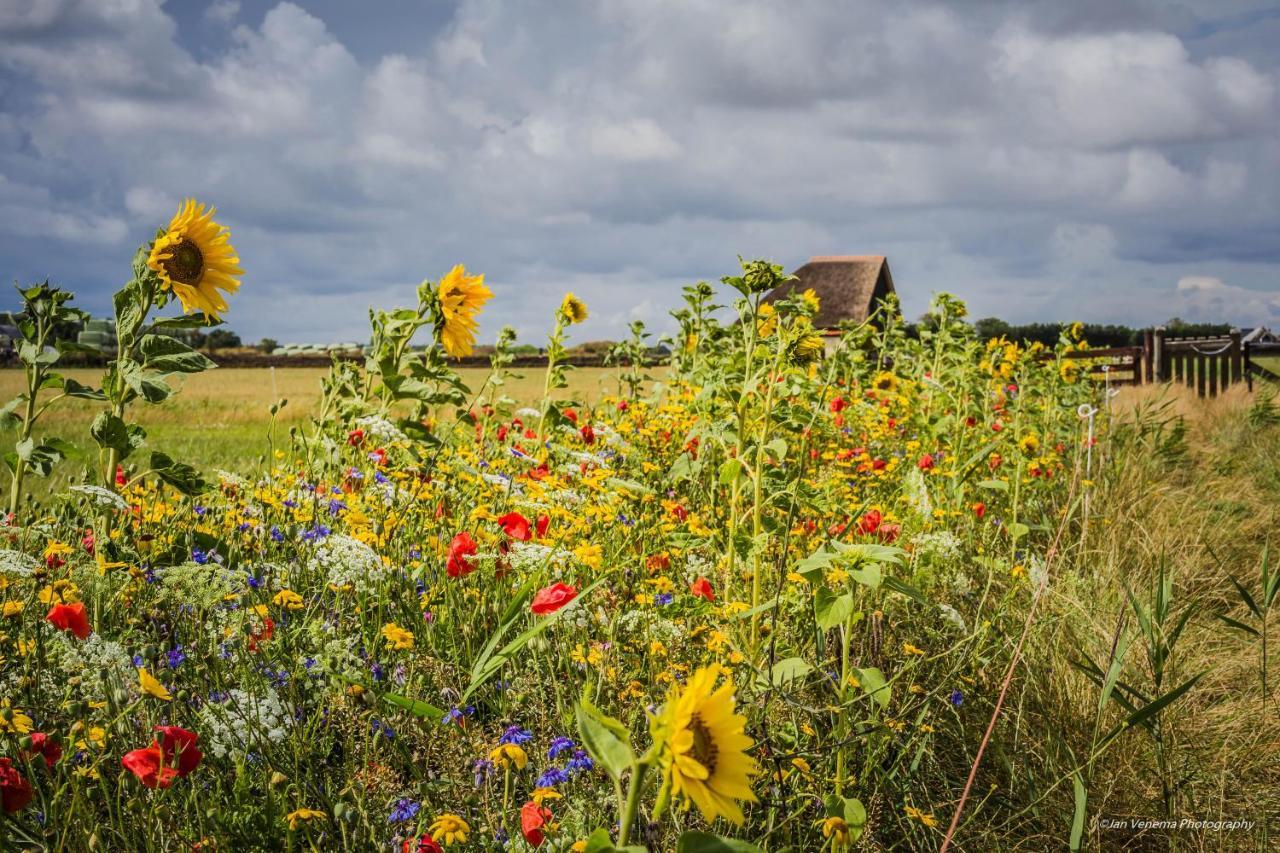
{"x":195,"y":259}
{"x":703,"y":747}
{"x":573,"y":308}
{"x":461,"y":298}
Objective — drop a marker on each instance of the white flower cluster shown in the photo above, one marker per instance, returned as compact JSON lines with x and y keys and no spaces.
{"x":201,"y":586}
{"x":918,"y":493}
{"x":380,"y":428}
{"x":92,"y":659}
{"x":102,"y":497}
{"x":244,"y":723}
{"x":16,"y":563}
{"x":951,"y":615}
{"x":526,"y":412}
{"x":937,"y":547}
{"x":347,"y":562}
{"x":227,"y":478}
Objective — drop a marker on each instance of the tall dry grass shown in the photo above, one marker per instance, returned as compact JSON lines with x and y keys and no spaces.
{"x":1189,"y":488}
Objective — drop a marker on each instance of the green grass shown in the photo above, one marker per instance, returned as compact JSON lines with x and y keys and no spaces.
{"x":220,"y":419}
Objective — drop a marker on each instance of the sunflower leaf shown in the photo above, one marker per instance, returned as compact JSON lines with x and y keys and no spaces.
{"x":604,"y":738}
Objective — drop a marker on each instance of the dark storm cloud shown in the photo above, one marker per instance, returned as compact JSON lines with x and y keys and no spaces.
{"x":1099,"y":160}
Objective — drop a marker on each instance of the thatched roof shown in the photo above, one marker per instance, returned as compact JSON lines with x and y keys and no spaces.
{"x":847,"y":286}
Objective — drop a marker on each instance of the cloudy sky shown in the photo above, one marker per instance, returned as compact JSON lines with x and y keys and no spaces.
{"x":1106,"y":160}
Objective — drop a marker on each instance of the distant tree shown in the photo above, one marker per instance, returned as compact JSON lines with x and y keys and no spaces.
{"x":222,"y":339}
{"x":991,"y":327}
{"x":268,"y":345}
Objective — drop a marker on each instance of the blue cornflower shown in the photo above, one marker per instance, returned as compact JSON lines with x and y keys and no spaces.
{"x":254,"y":583}
{"x":405,"y":810}
{"x":515,"y":734}
{"x":551,"y":777}
{"x":199,"y":556}
{"x":336,"y":506}
{"x":580,"y":762}
{"x":956,"y":698}
{"x":662,"y":599}
{"x":200,"y":510}
{"x":137,"y":660}
{"x":481,"y":771}
{"x":558,"y":745}
{"x":276,"y":535}
{"x":380,"y":478}
{"x":176,"y":657}
{"x":290,"y":503}
{"x":317,"y":532}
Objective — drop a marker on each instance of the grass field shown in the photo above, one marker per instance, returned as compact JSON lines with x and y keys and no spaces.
{"x":219,"y":419}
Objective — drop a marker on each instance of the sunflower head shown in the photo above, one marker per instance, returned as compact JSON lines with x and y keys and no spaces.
{"x":703,"y":747}
{"x":461,"y":298}
{"x":195,"y":261}
{"x":573,"y":309}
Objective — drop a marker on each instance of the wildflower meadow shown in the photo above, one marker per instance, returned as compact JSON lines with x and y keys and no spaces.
{"x":783,"y":592}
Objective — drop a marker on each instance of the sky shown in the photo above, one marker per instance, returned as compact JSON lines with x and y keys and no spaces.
{"x":1099,"y":160}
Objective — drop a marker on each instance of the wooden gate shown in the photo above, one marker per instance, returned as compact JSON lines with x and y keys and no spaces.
{"x":1208,"y":365}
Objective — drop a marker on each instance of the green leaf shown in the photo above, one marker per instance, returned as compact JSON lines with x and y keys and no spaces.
{"x":1017,"y":530}
{"x":180,"y":475}
{"x":600,"y":842}
{"x":730,"y":472}
{"x":164,"y":354}
{"x":72,"y":388}
{"x":848,"y":809}
{"x":606,"y":739}
{"x":416,"y":707}
{"x":1144,"y":715}
{"x":787,"y":671}
{"x":110,"y":432}
{"x":994,"y":485}
{"x":831,"y":609}
{"x":1077,"y":821}
{"x":1113,"y":672}
{"x":904,"y":588}
{"x":693,"y":841}
{"x":1239,"y":625}
{"x":874,"y":685}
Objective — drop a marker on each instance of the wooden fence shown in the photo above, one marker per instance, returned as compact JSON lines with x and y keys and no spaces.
{"x":1208,"y":365}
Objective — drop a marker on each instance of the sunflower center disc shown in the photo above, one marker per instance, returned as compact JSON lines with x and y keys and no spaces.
{"x":185,"y":262}
{"x":704,"y":746}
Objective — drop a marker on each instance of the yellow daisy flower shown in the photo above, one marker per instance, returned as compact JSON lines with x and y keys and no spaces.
{"x":449,"y":828}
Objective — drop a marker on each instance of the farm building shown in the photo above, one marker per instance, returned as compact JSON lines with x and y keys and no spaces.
{"x":1259,"y":335}
{"x":847,"y":286}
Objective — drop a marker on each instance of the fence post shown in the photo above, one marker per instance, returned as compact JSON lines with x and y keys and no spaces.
{"x":1157,"y":355}
{"x":1148,"y":354}
{"x":1236,"y":357}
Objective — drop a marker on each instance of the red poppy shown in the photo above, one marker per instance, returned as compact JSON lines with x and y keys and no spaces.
{"x":87,"y":541}
{"x":15,"y":790}
{"x":533,"y":818}
{"x":571,"y":415}
{"x":355,"y":438}
{"x":260,"y":636}
{"x":702,"y":588}
{"x":979,"y":509}
{"x":888,"y":533}
{"x":70,"y":617}
{"x":541,"y":471}
{"x":121,"y":479}
{"x":150,"y":767}
{"x":552,"y":598}
{"x":544,"y":522}
{"x":870,"y":522}
{"x":460,"y":548}
{"x":421,"y":844}
{"x":516,"y":526}
{"x":680,"y":512}
{"x":588,"y":434}
{"x":838,"y":404}
{"x":623,"y":405}
{"x":502,"y":436}
{"x":45,"y":747}
{"x":926,"y":462}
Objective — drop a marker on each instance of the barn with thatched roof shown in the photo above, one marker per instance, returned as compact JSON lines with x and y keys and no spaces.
{"x":848,"y":287}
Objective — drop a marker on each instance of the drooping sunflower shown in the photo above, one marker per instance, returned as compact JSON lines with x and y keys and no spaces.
{"x":703,"y":753}
{"x":573,"y":308}
{"x":461,"y":298}
{"x":195,"y":260}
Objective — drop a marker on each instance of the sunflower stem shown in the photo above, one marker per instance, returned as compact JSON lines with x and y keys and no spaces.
{"x":636,"y":788}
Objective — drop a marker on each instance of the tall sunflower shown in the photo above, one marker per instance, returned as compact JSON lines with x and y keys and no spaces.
{"x":195,"y":260}
{"x":461,"y":298}
{"x":573,"y":308}
{"x":703,"y":747}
